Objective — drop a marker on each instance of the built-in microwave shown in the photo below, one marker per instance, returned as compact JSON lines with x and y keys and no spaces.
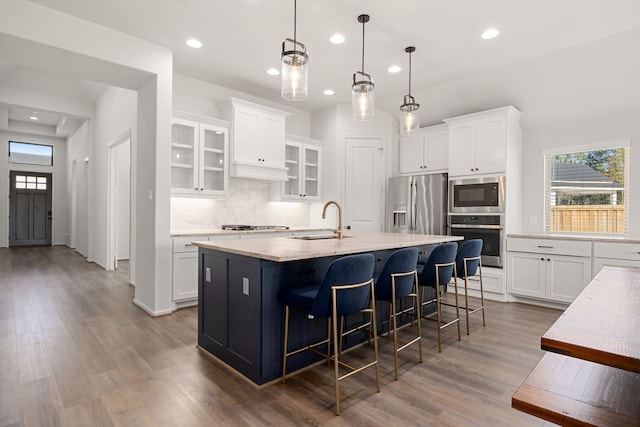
{"x":477,"y":195}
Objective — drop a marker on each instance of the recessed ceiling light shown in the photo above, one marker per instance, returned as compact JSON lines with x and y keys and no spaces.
{"x":328,"y":92}
{"x":273,"y":71}
{"x":337,"y":39}
{"x":33,"y":118}
{"x":394,"y":69}
{"x":194,"y":43}
{"x":490,"y":33}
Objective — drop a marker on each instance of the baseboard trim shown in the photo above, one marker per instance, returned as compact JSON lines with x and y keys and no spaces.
{"x":150,"y":312}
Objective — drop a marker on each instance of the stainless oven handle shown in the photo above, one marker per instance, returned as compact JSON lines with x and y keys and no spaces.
{"x":486,"y":227}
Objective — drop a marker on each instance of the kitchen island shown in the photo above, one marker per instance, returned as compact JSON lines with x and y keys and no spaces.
{"x":240,"y":317}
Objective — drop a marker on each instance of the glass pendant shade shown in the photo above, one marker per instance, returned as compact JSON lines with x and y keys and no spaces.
{"x":409,"y":108}
{"x":295,"y":71}
{"x":362,"y":99}
{"x":410,"y":116}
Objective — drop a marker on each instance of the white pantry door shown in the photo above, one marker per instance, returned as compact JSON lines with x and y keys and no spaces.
{"x":364,"y":181}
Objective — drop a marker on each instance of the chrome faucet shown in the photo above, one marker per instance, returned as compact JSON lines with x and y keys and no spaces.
{"x":324,"y":214}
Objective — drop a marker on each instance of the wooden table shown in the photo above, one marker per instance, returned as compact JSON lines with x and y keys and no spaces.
{"x":603,"y":323}
{"x":594,"y":379}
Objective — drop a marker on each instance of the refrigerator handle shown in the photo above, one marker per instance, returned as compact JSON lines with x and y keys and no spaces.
{"x":414,"y":204}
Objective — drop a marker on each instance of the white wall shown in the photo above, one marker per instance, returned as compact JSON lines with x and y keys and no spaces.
{"x":124,"y":183}
{"x":59,"y":171}
{"x":115,"y":114}
{"x":78,"y":148}
{"x":333,"y":125}
{"x":198,"y":97}
{"x":621,"y":126}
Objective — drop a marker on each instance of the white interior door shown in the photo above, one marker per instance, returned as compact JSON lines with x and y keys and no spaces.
{"x":364,"y":181}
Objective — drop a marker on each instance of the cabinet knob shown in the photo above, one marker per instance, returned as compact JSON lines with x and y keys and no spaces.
{"x":202,"y":189}
{"x":471,"y":169}
{"x":548,"y":259}
{"x":195,"y":189}
{"x":541,"y":259}
{"x":476,"y":169}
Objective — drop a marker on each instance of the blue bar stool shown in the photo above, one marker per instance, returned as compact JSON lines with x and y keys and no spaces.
{"x":399,"y":279}
{"x":347,"y":288}
{"x":436,"y":274}
{"x":468,"y":264}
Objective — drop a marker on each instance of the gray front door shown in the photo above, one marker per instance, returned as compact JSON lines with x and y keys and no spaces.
{"x":30,"y":208}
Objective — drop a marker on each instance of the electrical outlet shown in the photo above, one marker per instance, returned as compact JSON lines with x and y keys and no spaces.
{"x":245,"y":286}
{"x":533,"y":219}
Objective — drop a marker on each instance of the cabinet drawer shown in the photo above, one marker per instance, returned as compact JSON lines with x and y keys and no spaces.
{"x":615,"y":250}
{"x":549,"y":246}
{"x":183,"y":243}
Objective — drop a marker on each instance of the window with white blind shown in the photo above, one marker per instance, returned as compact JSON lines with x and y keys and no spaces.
{"x":586,"y":191}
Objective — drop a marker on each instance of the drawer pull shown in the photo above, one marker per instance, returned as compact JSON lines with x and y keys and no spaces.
{"x":545,"y":247}
{"x":188,"y":245}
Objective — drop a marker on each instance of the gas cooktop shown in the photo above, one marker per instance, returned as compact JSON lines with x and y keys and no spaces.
{"x":243,"y":227}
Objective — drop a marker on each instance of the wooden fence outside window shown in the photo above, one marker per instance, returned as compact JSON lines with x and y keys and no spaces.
{"x":588,"y":219}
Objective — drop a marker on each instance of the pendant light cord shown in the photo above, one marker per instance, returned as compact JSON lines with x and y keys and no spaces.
{"x":363,"y":22}
{"x":295,"y":14}
{"x":410,"y":73}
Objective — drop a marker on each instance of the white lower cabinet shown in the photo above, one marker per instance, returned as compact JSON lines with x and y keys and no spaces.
{"x":185,"y":267}
{"x":615,"y":254}
{"x":555,"y":270}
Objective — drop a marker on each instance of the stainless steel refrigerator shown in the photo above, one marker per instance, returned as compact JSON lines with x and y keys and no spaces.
{"x":417,"y":204}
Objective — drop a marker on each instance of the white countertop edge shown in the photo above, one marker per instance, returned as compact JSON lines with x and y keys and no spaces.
{"x":587,"y":238}
{"x":282,"y":249}
{"x":220,"y":232}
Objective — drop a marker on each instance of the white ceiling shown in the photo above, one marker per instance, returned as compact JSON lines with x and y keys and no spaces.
{"x":541,"y":53}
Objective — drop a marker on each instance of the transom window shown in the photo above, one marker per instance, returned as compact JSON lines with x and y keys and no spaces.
{"x":30,"y":154}
{"x":587,"y":191}
{"x":26,"y":182}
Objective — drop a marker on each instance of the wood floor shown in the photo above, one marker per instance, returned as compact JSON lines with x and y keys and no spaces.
{"x":75,"y":351}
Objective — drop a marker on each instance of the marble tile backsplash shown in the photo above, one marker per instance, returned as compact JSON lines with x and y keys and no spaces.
{"x":249,"y":202}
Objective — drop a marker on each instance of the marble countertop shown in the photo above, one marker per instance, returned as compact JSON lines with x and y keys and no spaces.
{"x":281,"y":249}
{"x":586,"y":238}
{"x":220,"y":232}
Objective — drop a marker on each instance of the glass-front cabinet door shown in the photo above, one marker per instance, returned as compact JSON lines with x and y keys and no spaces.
{"x":311,"y":161}
{"x":303,"y":172}
{"x":293,"y":156}
{"x":184,"y":179}
{"x":199,"y":158}
{"x":213,"y":175}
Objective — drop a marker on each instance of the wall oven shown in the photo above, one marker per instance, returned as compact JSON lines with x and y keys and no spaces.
{"x":489,"y":228}
{"x":477,"y":195}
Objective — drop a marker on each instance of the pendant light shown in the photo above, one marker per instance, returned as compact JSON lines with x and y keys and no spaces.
{"x":362,"y":88}
{"x":410,"y":117}
{"x":295,"y":66}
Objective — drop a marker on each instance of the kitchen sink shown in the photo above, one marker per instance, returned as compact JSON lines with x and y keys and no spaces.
{"x":318,"y":237}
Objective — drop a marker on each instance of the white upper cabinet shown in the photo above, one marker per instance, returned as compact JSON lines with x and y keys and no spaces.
{"x":303,"y":163}
{"x":257,"y":141}
{"x":425,"y":152}
{"x":199,"y":158}
{"x":478,"y":143}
